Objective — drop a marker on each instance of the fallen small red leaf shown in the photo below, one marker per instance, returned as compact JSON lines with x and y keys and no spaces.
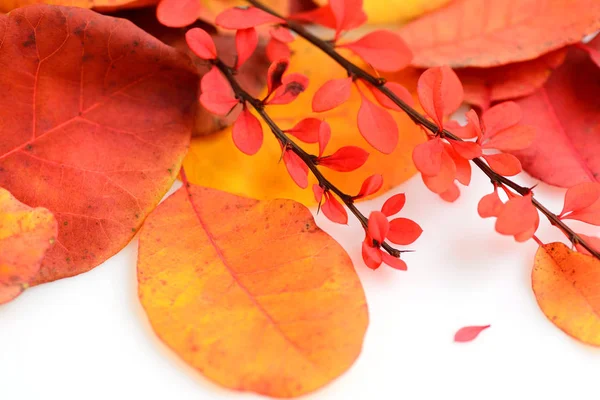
{"x":469,"y":333}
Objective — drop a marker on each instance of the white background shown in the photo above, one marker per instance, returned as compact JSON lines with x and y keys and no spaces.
{"x":88,"y":338}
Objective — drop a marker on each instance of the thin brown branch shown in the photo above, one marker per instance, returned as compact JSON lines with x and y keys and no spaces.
{"x":290,"y":145}
{"x":355,"y":71}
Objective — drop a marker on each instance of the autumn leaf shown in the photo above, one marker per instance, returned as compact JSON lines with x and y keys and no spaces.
{"x":566,"y":112}
{"x":484,"y":86}
{"x":25,"y":236}
{"x":391,"y":11}
{"x":469,"y":333}
{"x":94,"y":126}
{"x":214,"y":161}
{"x":485,"y":33}
{"x":251,"y":293}
{"x":566,"y":285}
{"x":100,"y":5}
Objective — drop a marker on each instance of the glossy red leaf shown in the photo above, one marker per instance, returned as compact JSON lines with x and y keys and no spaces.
{"x":400,"y":91}
{"x":372,"y":256}
{"x":334,"y":210}
{"x":428,"y":157}
{"x":216,"y":93}
{"x":307,"y":130}
{"x":291,"y":87}
{"x":469,"y":333}
{"x":490,"y":205}
{"x":345,"y":159}
{"x":281,"y":34}
{"x":200,"y":42}
{"x":324,"y":136}
{"x":440,"y":93}
{"x":247,"y":133}
{"x":504,"y":164}
{"x":277,"y":50}
{"x":403,"y":231}
{"x":518,"y":215}
{"x":348,"y":14}
{"x":393,"y":262}
{"x":378,"y":226}
{"x":382,"y":49}
{"x":297,"y":169}
{"x":580,"y":197}
{"x":370,"y":186}
{"x":246,"y":41}
{"x":467,"y":150}
{"x":177,"y":13}
{"x":377,"y":126}
{"x":245,"y":17}
{"x":332,"y":94}
{"x":393,"y":205}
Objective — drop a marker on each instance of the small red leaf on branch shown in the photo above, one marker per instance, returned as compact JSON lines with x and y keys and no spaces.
{"x":244,"y":18}
{"x":246,"y":41}
{"x":216,"y":93}
{"x":370,"y":186}
{"x":393,"y":205}
{"x":377,"y":126}
{"x":332,"y":94}
{"x":440,"y":93}
{"x":297,"y":168}
{"x":178,"y":13}
{"x":383,"y":50}
{"x":247,"y":133}
{"x":345,"y":159}
{"x":200,"y":42}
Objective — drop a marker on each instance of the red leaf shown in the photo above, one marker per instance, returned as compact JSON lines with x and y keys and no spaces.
{"x":440,"y":93}
{"x":346,"y":159}
{"x":467,"y":150}
{"x":490,"y":205}
{"x":247,"y":17}
{"x":281,"y":34}
{"x":451,"y":195}
{"x":247,"y":133}
{"x":246,"y":41}
{"x":383,"y":50}
{"x":370,"y":186}
{"x":324,"y":136}
{"x":393,"y":262}
{"x":518,"y":215}
{"x":403,"y":231}
{"x":428,"y":157}
{"x":307,"y":130}
{"x":217,"y":95}
{"x":592,"y":241}
{"x":277,"y":50}
{"x":297,"y":169}
{"x":348,"y":14}
{"x":200,"y":42}
{"x":320,"y":16}
{"x":518,"y":137}
{"x":463,"y":166}
{"x":275,"y":74}
{"x":318,"y":192}
{"x":469,"y":333}
{"x":504,"y":164}
{"x":400,"y":91}
{"x":502,"y":116}
{"x":377,"y":126}
{"x":292,"y":86}
{"x":332,"y":94}
{"x":393,"y":205}
{"x":565,"y":113}
{"x":378,"y":226}
{"x":372,"y":256}
{"x":334,"y":210}
{"x":441,"y":182}
{"x":177,"y":13}
{"x":580,"y":197}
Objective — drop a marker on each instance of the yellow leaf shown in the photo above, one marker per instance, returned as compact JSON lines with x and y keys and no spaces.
{"x":251,"y":293}
{"x":214,"y":161}
{"x":394,"y":11}
{"x":566,"y":285}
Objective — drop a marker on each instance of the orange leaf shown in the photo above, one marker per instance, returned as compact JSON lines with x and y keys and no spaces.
{"x":25,"y":236}
{"x":94,"y":130}
{"x":566,"y":113}
{"x":260,"y":301}
{"x":566,"y":286}
{"x":485,"y":33}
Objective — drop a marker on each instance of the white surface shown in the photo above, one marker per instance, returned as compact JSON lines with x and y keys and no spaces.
{"x":87,"y":337}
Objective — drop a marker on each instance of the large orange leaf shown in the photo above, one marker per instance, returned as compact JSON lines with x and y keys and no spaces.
{"x":566,"y":115}
{"x":25,"y":236}
{"x":214,"y":160}
{"x":483,"y":33}
{"x":251,"y":293}
{"x":566,"y":285}
{"x":94,"y":125}
{"x":484,"y":86}
{"x":104,"y":5}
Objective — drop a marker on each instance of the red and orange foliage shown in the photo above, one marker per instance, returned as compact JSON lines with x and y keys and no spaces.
{"x":262,"y":300}
{"x":25,"y":236}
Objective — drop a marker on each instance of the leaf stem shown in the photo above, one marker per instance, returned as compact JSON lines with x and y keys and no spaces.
{"x":354,"y":70}
{"x":289,"y":144}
